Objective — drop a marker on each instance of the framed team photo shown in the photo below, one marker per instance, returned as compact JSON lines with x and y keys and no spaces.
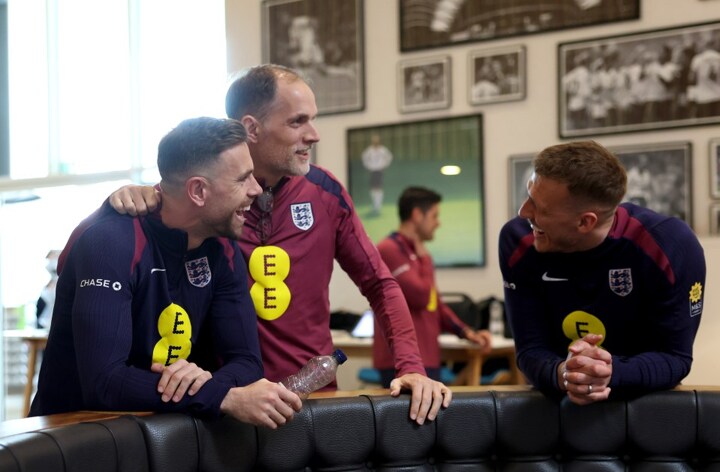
{"x":520,"y":170}
{"x":445,"y":155}
{"x":437,"y":23}
{"x":496,"y":75}
{"x":424,"y":84}
{"x":715,"y":168}
{"x":323,"y":39}
{"x":659,"y":177}
{"x":642,"y":81}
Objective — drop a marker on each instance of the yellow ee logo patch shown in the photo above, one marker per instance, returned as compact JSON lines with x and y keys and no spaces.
{"x":432,"y":303}
{"x":579,"y":323}
{"x":175,"y":333}
{"x":269,"y":266}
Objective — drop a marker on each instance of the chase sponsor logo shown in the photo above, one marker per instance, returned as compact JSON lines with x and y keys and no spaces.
{"x":198,"y":272}
{"x":302,"y":215}
{"x":101,"y":283}
{"x":696,"y":299}
{"x":620,"y":281}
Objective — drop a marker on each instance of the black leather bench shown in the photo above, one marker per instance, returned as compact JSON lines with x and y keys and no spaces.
{"x":483,"y":430}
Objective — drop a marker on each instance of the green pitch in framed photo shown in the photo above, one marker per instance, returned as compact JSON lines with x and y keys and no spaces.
{"x":445,"y":155}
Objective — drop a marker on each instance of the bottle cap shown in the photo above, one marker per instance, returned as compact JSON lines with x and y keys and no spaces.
{"x":340,"y":356}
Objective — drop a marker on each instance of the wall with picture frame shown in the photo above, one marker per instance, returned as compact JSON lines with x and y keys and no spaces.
{"x":510,"y":128}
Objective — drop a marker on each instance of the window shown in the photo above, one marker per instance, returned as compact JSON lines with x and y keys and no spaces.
{"x":93,"y":87}
{"x":4,"y":127}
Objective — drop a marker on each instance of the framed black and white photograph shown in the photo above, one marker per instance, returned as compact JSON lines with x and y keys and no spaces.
{"x":642,"y":81}
{"x":659,"y":177}
{"x":424,"y":84}
{"x":715,"y":219}
{"x":496,"y":75}
{"x":715,"y":168}
{"x":435,"y":23}
{"x":520,"y":170}
{"x":323,"y":39}
{"x":445,"y":155}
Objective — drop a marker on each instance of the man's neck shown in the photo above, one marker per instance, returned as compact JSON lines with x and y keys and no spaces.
{"x":598,"y":235}
{"x":265,"y":177}
{"x":175,"y":215}
{"x":408,"y":231}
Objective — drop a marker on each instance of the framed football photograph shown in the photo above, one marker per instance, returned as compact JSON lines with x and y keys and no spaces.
{"x":445,"y":155}
{"x":424,"y":84}
{"x":496,"y":75}
{"x":322,"y":39}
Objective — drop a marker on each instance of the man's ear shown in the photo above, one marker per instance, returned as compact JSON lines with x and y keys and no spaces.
{"x":416,"y":214}
{"x":197,"y":190}
{"x":252,"y":127}
{"x":588,"y":221}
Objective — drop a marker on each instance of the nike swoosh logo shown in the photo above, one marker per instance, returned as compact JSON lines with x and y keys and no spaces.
{"x":156,"y":270}
{"x":547,"y":278}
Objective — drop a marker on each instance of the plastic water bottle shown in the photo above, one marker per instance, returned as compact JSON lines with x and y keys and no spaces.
{"x":497,"y":321}
{"x":317,"y":373}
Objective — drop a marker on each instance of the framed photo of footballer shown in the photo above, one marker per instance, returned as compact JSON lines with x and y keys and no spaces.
{"x":444,"y":155}
{"x":520,"y":169}
{"x":496,"y":75}
{"x":642,"y":81}
{"x":437,"y":23}
{"x":715,"y":168}
{"x":424,"y":84}
{"x":659,"y":177}
{"x":323,"y":39}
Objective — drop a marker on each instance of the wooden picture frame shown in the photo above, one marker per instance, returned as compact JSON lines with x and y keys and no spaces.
{"x":437,"y":23}
{"x":322,"y":39}
{"x":496,"y":75}
{"x":715,"y":168}
{"x":659,"y":177}
{"x":641,"y":81}
{"x":715,"y":219}
{"x":424,"y":84}
{"x":421,"y":153}
{"x":520,"y":170}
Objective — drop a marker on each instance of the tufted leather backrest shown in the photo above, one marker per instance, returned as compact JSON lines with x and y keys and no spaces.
{"x":109,"y":445}
{"x":516,"y":430}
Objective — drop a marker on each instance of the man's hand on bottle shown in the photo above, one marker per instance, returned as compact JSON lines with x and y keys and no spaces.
{"x":428,"y":396}
{"x":262,"y":403}
{"x":135,"y":200}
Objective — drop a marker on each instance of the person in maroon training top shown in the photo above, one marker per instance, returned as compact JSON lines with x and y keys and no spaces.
{"x":303,"y":221}
{"x":411,"y":264}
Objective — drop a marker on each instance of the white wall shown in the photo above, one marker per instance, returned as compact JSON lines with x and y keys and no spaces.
{"x":510,"y":128}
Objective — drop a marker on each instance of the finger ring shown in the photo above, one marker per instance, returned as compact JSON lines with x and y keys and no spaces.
{"x":589,"y":389}
{"x":565,"y":383}
{"x":564,"y":374}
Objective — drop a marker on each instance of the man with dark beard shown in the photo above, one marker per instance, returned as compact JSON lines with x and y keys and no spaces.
{"x":135,"y":294}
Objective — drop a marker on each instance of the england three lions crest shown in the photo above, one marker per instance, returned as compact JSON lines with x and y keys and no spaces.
{"x":302,"y":215}
{"x":621,"y":281}
{"x":198,"y":272}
